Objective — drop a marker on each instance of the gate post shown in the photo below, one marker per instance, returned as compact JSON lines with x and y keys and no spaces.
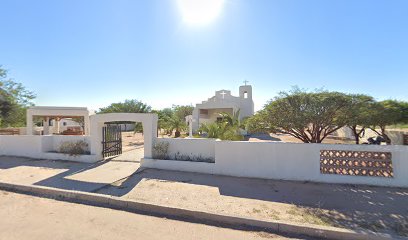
{"x":96,"y":137}
{"x":150,"y":134}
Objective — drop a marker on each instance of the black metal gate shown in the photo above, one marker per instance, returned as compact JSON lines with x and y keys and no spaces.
{"x":111,"y":140}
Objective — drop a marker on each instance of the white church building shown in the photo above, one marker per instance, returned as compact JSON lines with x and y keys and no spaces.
{"x":209,"y":111}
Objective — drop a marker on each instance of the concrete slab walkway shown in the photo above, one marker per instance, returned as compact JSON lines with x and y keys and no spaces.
{"x":69,"y":175}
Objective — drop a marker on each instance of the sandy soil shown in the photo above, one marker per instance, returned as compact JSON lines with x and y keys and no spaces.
{"x":289,"y":138}
{"x":378,"y":209}
{"x":131,"y":141}
{"x":354,"y":207}
{"x":28,"y":217}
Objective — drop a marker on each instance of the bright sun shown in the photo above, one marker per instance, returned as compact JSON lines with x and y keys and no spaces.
{"x":200,"y":12}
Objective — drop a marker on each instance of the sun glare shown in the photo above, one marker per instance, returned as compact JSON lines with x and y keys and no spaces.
{"x":200,"y":12}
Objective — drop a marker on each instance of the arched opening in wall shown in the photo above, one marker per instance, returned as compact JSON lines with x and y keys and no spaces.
{"x":123,"y":140}
{"x":59,"y":125}
{"x":71,"y":126}
{"x":245,"y":94}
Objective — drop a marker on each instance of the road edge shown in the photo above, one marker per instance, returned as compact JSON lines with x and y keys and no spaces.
{"x":186,"y":214}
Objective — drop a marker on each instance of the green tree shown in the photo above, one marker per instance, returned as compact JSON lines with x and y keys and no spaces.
{"x":182,"y":111}
{"x":14,"y":101}
{"x":128,"y":106}
{"x":6,"y":104}
{"x":164,"y":117}
{"x":359,"y":114}
{"x":228,"y":128}
{"x":308,"y":116}
{"x":177,"y":124}
{"x":386,"y":113}
{"x":173,"y":119}
{"x":258,"y":123}
{"x":231,"y":119}
{"x":404,"y":114}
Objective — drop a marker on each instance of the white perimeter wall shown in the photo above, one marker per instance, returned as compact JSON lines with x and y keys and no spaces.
{"x":41,"y":147}
{"x":289,"y":161}
{"x":190,"y":146}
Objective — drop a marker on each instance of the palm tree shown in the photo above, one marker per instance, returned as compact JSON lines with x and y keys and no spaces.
{"x":231,"y":119}
{"x":226,"y":129}
{"x":177,"y":124}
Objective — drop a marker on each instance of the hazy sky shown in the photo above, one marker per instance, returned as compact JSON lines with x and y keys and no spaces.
{"x":95,"y":52}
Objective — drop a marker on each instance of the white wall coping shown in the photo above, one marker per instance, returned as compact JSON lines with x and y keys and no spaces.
{"x":187,"y":139}
{"x":57,"y":108}
{"x":176,"y":165}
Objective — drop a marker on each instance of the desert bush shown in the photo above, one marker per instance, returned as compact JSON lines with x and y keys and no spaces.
{"x":160,"y":150}
{"x":192,"y":158}
{"x":74,"y":148}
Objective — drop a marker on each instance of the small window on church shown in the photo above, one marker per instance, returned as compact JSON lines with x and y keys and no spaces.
{"x":245,"y":94}
{"x":204,"y":111}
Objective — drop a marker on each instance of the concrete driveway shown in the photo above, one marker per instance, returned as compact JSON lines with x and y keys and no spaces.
{"x":69,"y":175}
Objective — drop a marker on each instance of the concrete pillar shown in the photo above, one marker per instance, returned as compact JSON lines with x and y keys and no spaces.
{"x":190,"y":125}
{"x":196,"y":119}
{"x":29,"y":123}
{"x":57,"y":125}
{"x":149,"y":135}
{"x":86,"y":125}
{"x":96,"y":138}
{"x":46,"y":126}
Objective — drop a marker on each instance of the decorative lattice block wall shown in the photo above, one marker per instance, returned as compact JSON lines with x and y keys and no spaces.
{"x":356,"y":163}
{"x":405,"y":139}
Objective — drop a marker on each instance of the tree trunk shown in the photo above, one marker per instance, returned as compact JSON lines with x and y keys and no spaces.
{"x":177,"y":133}
{"x":385,"y":136}
{"x":357,"y":138}
{"x":356,"y":134}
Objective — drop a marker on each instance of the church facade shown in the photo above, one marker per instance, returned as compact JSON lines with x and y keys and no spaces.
{"x":209,"y":111}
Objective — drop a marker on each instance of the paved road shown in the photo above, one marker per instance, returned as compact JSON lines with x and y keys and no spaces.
{"x":28,"y":217}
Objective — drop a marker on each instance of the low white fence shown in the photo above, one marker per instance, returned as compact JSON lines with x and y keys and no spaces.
{"x":288,"y":161}
{"x":42,"y":147}
{"x":194,"y":148}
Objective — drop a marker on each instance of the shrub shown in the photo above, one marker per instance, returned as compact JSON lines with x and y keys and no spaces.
{"x":74,"y":148}
{"x":221,"y":130}
{"x":160,"y":150}
{"x":192,"y":158}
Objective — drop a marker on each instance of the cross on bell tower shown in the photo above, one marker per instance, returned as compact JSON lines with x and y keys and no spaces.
{"x":223,"y":94}
{"x":245,"y":82}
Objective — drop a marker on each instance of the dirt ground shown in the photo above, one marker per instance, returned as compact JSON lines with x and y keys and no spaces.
{"x":377,"y":209}
{"x":132,"y":140}
{"x":28,"y":217}
{"x":289,"y":138}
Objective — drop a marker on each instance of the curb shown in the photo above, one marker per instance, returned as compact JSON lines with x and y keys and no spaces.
{"x":191,"y":215}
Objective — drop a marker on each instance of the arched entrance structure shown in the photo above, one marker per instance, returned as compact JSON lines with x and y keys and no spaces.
{"x":148,"y":120}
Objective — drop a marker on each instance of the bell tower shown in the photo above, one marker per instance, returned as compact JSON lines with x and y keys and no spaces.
{"x":245,"y":97}
{"x":245,"y":92}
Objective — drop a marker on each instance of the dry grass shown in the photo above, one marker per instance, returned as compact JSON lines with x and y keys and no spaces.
{"x":310,"y":215}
